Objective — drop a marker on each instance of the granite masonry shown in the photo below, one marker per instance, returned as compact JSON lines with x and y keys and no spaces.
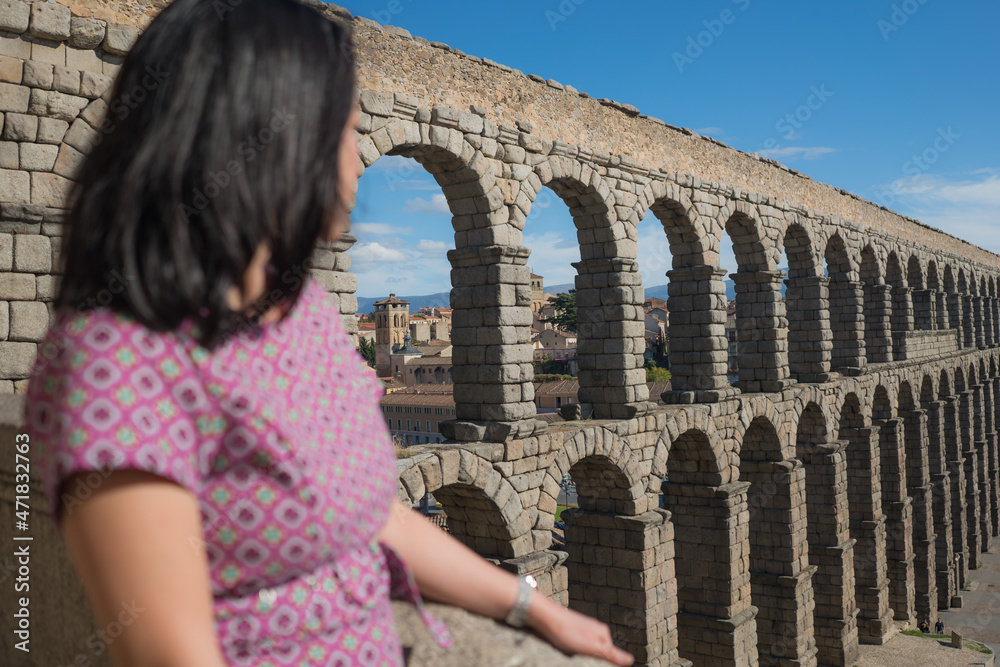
{"x":848,"y":480}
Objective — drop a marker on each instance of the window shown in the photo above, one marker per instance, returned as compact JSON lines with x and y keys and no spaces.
{"x":407,"y":424}
{"x":428,"y":425}
{"x":399,"y":424}
{"x":417,"y":429}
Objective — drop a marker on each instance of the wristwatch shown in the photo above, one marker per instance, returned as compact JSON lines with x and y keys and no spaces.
{"x":519,"y":612}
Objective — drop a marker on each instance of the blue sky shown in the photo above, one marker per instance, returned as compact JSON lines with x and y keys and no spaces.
{"x":895,"y":101}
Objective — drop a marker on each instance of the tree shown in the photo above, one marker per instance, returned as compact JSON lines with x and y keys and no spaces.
{"x":367,"y":349}
{"x":655,"y":373}
{"x":565,"y":307}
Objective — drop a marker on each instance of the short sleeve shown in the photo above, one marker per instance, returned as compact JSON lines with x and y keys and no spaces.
{"x":105,"y":394}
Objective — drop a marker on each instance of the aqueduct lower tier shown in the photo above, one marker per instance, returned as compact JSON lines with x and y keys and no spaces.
{"x":848,"y":480}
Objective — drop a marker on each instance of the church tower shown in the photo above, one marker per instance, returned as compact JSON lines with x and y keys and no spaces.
{"x":392,"y":322}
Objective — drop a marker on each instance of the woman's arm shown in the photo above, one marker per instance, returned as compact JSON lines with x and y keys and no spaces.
{"x":448,"y":571}
{"x":136,"y":544}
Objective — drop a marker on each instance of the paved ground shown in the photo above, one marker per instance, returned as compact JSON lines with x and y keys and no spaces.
{"x":979,"y":617}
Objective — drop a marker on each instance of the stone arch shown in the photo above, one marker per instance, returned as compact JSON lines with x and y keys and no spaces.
{"x":864,"y":501}
{"x":878,"y":308}
{"x":754,"y":252}
{"x":901,"y":319}
{"x":846,"y":308}
{"x":761,"y":408}
{"x":922,"y":310}
{"x":463,"y":172}
{"x":830,"y":547}
{"x":689,"y":241}
{"x":704,"y":506}
{"x":483,"y":509}
{"x":894,"y":484}
{"x":780,"y":575}
{"x":609,"y":291}
{"x":701,"y":445}
{"x":694,"y":279}
{"x":806,"y":305}
{"x":605,"y":470}
{"x":761,"y":328}
{"x":480,"y":218}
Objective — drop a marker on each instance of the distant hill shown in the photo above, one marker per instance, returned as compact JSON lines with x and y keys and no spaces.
{"x":439,"y":300}
{"x":442,"y":299}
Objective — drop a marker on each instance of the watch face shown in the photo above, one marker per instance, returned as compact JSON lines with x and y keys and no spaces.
{"x":531,"y":581}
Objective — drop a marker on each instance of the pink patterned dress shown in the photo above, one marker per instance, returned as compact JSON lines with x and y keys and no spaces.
{"x":279,"y":435}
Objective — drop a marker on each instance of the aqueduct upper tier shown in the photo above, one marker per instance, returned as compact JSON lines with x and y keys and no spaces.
{"x":847,"y":481}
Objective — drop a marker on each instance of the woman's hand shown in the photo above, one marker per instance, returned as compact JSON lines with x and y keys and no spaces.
{"x":574,"y":633}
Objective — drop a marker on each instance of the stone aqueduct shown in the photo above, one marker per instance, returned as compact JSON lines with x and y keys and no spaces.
{"x":848,"y":480}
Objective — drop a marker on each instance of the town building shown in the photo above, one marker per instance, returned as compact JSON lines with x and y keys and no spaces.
{"x":413,"y":414}
{"x":392,"y":317}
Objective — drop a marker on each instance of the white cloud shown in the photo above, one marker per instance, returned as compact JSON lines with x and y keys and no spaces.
{"x":965,"y":208}
{"x":438,"y":205}
{"x":792,"y":152}
{"x":552,"y":255}
{"x":709,"y":131}
{"x":361,"y":229}
{"x":376,"y":252}
{"x":426,"y":246}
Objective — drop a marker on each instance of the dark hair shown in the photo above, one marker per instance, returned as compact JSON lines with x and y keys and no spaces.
{"x":222,"y":133}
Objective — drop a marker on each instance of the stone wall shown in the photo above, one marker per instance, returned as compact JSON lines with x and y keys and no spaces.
{"x":846,"y":482}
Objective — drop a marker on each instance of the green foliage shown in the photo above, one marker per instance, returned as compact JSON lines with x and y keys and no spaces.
{"x":565,"y":306}
{"x":656,"y":373}
{"x":369,"y":318}
{"x":367,"y":349}
{"x":547,"y":366}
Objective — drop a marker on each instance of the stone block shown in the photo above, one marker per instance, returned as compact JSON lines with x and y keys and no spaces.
{"x":68,"y":161}
{"x":17,"y":286}
{"x":14,"y":98}
{"x":32,"y":253}
{"x":6,"y":252}
{"x":51,"y":130}
{"x":46,"y":287}
{"x":45,"y":51}
{"x":16,"y":359}
{"x":49,"y":21}
{"x":20,"y":127}
{"x":66,"y":80}
{"x":4,"y":320}
{"x":54,"y":104}
{"x":38,"y":75}
{"x":85,"y":60}
{"x":85,"y":33}
{"x":38,"y":157}
{"x":9,"y":155}
{"x":28,"y":320}
{"x":119,"y":39}
{"x":14,"y":186}
{"x":11,"y":69}
{"x":94,"y":84}
{"x":16,"y":46}
{"x":81,"y":136}
{"x":49,"y":189}
{"x":14,"y":15}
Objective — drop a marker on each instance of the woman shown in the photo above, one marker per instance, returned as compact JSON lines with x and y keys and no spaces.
{"x":212,"y":448}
